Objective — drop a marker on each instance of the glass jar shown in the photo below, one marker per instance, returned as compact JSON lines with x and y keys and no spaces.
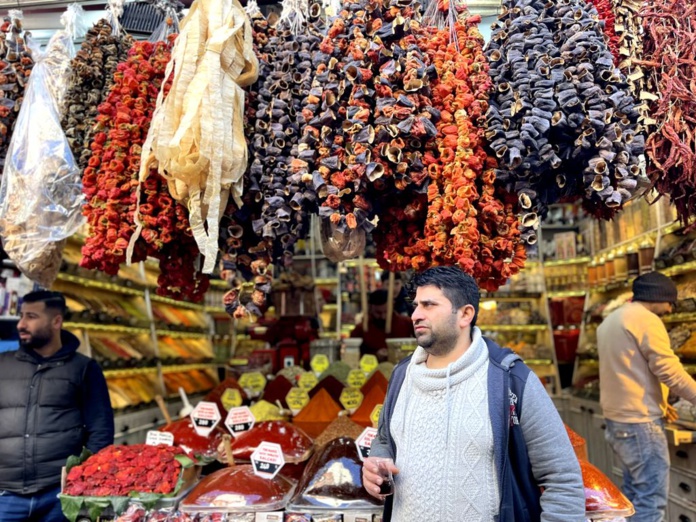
{"x":602,"y":271}
{"x":609,"y":269}
{"x":632,"y":263}
{"x":646,"y":254}
{"x":620,"y":266}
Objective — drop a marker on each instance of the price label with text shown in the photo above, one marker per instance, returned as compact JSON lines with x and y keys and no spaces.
{"x":155,"y":438}
{"x":231,"y":398}
{"x":351,"y":398}
{"x":253,"y":383}
{"x":364,"y":442}
{"x":308,"y":381}
{"x":239,"y":420}
{"x":374,"y":416}
{"x":267,"y":459}
{"x":356,"y":378}
{"x":368,"y":363}
{"x":297,"y":398}
{"x":205,"y":416}
{"x":319,"y":363}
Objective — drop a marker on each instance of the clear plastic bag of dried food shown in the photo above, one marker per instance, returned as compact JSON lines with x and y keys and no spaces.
{"x":41,"y":193}
{"x":170,"y":24}
{"x":340,"y":242}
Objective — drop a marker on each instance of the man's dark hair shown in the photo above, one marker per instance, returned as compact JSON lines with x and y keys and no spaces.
{"x":378,"y":297}
{"x":53,"y":300}
{"x":458,"y":286}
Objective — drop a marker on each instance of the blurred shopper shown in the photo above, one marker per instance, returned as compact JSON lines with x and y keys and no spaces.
{"x":637,"y":368}
{"x":471,"y":432}
{"x":53,"y":401}
{"x":375,"y":338}
{"x":402,"y":303}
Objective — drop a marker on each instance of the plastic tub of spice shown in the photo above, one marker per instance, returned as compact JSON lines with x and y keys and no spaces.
{"x":400,"y":348}
{"x":329,"y":347}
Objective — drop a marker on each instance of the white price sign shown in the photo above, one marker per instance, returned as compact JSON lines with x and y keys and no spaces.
{"x":155,"y":438}
{"x":205,"y":416}
{"x":267,"y":460}
{"x":239,"y":420}
{"x":364,"y":442}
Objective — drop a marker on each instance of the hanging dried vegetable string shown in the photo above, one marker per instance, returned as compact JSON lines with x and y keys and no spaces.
{"x":93,"y":70}
{"x":561,"y":122}
{"x":605,"y":11}
{"x":670,"y":62}
{"x":368,"y":114}
{"x":16,"y":63}
{"x":463,"y":221}
{"x":197,"y":132}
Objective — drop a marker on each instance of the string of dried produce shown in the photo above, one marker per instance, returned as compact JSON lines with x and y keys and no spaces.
{"x":197,"y":132}
{"x":15,"y":67}
{"x":93,"y":69}
{"x":463,"y":222}
{"x":562,"y":122}
{"x":111,"y":178}
{"x":669,"y":59}
{"x":605,"y":11}
{"x":368,"y":115}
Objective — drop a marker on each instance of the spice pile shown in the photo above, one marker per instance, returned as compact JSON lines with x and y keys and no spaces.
{"x":562,"y":122}
{"x":122,"y":470}
{"x":669,"y":55}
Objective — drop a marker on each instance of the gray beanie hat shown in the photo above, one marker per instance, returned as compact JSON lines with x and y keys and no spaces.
{"x":654,"y":287}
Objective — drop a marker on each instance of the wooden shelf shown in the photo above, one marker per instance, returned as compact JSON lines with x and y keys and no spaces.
{"x":116,"y":328}
{"x":566,"y":293}
{"x":100,"y":285}
{"x":567,"y":262}
{"x":515,"y":327}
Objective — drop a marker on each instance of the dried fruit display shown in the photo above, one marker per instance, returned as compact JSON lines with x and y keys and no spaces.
{"x":110,"y":183}
{"x":562,"y":122}
{"x":123,"y":470}
{"x":15,"y":67}
{"x":669,"y":55}
{"x":368,"y":115}
{"x":40,"y":195}
{"x":196,"y":138}
{"x":92,"y":75}
{"x":462,"y":219}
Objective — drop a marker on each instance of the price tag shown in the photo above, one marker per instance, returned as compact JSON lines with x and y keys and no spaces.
{"x":239,"y":420}
{"x":319,"y":363}
{"x":231,"y":398}
{"x":253,"y":383}
{"x":267,"y":460}
{"x":351,"y":398}
{"x":374,"y":416}
{"x":205,"y":416}
{"x":364,"y":442}
{"x":297,"y":398}
{"x":308,"y":381}
{"x":155,"y":438}
{"x":356,"y":378}
{"x":368,"y":363}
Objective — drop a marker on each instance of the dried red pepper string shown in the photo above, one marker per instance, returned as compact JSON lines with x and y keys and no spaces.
{"x":669,"y":58}
{"x":111,"y":177}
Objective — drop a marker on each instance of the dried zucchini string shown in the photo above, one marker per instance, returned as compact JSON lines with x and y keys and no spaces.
{"x":197,"y":132}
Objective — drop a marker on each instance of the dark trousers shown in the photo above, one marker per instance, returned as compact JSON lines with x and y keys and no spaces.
{"x":39,"y":507}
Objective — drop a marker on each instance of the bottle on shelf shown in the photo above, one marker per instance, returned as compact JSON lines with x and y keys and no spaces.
{"x":609,"y":268}
{"x":592,"y":274}
{"x":646,"y":254}
{"x":632,"y":262}
{"x":602,"y":271}
{"x":620,"y":266}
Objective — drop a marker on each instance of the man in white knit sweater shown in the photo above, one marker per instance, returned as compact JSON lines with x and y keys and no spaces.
{"x":472,"y":431}
{"x":636,"y":368}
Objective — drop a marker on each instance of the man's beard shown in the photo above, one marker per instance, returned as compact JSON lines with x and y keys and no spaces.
{"x":36,"y":341}
{"x":442,"y":342}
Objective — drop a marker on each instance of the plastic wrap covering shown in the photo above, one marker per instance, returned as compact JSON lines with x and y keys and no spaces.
{"x":202,"y":448}
{"x":333,"y":480}
{"x":296,"y":445}
{"x":340,"y":243}
{"x":238,"y":489}
{"x":41,"y":195}
{"x":603,"y":500}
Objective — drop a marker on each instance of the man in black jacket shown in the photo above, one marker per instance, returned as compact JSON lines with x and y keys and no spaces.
{"x":53,"y":401}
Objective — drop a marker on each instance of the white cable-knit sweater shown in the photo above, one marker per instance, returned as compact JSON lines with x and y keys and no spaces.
{"x":442,"y":428}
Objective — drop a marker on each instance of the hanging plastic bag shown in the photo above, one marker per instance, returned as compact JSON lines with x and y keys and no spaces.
{"x":341,"y":243}
{"x":170,"y":24}
{"x":41,"y":194}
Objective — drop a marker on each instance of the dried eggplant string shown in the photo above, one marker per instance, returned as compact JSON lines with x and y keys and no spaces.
{"x":605,"y":11}
{"x":197,"y":132}
{"x":562,"y":122}
{"x":669,"y":59}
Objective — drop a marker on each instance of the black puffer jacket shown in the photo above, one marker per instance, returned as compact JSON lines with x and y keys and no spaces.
{"x":49,"y":409}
